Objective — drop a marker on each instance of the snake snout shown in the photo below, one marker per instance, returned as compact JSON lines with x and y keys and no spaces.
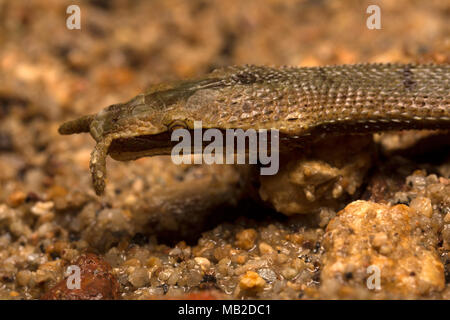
{"x":79,"y":125}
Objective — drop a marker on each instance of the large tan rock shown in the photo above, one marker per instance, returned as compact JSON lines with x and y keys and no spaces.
{"x":397,"y":240}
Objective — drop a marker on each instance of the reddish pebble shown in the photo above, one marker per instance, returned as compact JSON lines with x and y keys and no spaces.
{"x":97,"y":282}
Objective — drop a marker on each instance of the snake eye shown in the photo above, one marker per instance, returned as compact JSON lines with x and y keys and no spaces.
{"x":177,"y":124}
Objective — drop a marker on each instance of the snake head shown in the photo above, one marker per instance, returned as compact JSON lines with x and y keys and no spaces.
{"x":118,"y":121}
{"x":137,"y":128}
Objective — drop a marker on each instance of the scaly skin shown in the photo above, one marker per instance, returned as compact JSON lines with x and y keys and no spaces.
{"x":299,"y":102}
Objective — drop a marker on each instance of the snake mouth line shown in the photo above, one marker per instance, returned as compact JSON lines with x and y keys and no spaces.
{"x":124,"y":149}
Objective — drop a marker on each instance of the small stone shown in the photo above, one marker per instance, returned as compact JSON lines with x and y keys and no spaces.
{"x":139,"y":278}
{"x":174,"y":277}
{"x":282,"y":258}
{"x":264,"y":248}
{"x":289,"y":273}
{"x":223,"y":266}
{"x":69,"y":254}
{"x":130,"y":200}
{"x":133,"y":262}
{"x":251,"y":281}
{"x":246,"y":239}
{"x":385,"y":250}
{"x":446,"y":237}
{"x":299,"y":264}
{"x":41,"y":208}
{"x":82,"y":158}
{"x":16,"y":198}
{"x":239,"y":259}
{"x":154,"y":262}
{"x":23,"y":277}
{"x":56,"y":192}
{"x":267,"y":274}
{"x":222,"y":252}
{"x":447,"y":218}
{"x":48,"y":271}
{"x":423,"y":206}
{"x":203,"y":263}
{"x":165,"y":274}
{"x":175,"y":252}
{"x":194,"y":278}
{"x":18,"y":228}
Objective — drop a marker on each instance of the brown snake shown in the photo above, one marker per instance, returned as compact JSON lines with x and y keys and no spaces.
{"x":299,"y":102}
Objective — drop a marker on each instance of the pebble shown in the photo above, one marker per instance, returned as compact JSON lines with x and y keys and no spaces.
{"x":289,"y":273}
{"x":97,"y":282}
{"x":264,"y":248}
{"x":251,"y":281}
{"x":23,"y":277}
{"x":16,"y":198}
{"x":447,"y":218}
{"x":154,"y":262}
{"x":423,"y":206}
{"x":139,"y":278}
{"x":203,"y":263}
{"x":194,"y":278}
{"x":282,"y":258}
{"x":246,"y":239}
{"x":165,"y":274}
{"x":267,"y":274}
{"x":174,"y":277}
{"x":41,"y":208}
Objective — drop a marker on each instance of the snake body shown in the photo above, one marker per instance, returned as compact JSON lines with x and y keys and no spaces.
{"x":297,"y":101}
